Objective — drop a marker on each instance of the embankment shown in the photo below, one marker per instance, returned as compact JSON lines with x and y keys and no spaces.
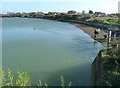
{"x":93,"y":24}
{"x":97,"y":68}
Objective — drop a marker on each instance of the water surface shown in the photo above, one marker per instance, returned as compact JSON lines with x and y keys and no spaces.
{"x":47,"y":49}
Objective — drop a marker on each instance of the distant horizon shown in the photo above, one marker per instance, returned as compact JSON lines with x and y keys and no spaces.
{"x":58,"y":12}
{"x":106,"y":6}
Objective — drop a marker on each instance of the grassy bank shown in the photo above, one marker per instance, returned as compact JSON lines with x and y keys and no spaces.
{"x":111,"y":68}
{"x":109,"y":20}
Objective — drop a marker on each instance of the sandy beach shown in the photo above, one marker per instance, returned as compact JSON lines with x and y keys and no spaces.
{"x":90,"y":30}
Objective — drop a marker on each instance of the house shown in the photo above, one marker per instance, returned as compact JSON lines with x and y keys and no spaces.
{"x":40,"y":14}
{"x":83,"y":12}
{"x":0,"y":15}
{"x":25,"y":14}
{"x":99,"y":14}
{"x":71,"y":12}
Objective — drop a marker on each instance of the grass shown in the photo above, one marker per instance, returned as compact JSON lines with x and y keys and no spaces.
{"x":111,"y":68}
{"x":109,"y":20}
{"x":7,"y":79}
{"x":23,"y":79}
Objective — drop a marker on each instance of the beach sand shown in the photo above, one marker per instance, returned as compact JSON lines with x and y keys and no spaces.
{"x":90,"y":31}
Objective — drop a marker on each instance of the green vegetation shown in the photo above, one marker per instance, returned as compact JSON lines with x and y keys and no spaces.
{"x":109,"y":20}
{"x":111,"y":67}
{"x":7,"y":79}
{"x":23,"y":79}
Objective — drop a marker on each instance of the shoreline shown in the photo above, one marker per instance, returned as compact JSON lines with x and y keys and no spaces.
{"x":90,"y":31}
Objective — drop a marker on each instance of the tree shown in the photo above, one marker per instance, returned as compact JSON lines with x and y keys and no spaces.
{"x":90,"y":12}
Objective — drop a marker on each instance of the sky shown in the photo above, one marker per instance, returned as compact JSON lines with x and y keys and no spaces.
{"x":107,"y":6}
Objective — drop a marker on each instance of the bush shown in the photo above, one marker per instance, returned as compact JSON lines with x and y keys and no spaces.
{"x":111,"y":68}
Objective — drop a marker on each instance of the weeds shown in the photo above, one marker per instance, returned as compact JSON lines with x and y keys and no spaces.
{"x":23,"y":79}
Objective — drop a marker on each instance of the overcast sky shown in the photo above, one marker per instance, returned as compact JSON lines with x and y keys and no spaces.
{"x":107,"y":6}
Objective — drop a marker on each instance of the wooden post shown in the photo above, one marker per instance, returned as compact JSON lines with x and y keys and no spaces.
{"x":109,"y":39}
{"x":110,"y":36}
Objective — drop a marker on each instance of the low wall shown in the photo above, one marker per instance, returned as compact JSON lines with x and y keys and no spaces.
{"x":97,"y":68}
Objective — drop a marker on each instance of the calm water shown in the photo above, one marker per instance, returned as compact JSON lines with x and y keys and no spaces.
{"x":47,"y":49}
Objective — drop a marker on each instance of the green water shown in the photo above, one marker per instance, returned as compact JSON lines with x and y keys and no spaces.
{"x":46,"y":49}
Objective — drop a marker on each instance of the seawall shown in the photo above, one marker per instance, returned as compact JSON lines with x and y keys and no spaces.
{"x":97,"y":68}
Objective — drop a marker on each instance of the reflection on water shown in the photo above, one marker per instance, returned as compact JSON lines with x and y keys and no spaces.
{"x":46,"y":49}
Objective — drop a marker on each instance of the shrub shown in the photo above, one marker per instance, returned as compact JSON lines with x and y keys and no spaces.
{"x":23,"y":79}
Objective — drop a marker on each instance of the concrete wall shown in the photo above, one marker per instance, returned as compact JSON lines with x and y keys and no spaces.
{"x":97,"y":68}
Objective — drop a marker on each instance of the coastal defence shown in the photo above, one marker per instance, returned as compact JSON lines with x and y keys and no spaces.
{"x":97,"y":68}
{"x":93,"y":24}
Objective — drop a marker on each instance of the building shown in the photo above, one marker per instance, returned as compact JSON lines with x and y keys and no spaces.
{"x":99,"y":14}
{"x":83,"y":12}
{"x":71,"y":12}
